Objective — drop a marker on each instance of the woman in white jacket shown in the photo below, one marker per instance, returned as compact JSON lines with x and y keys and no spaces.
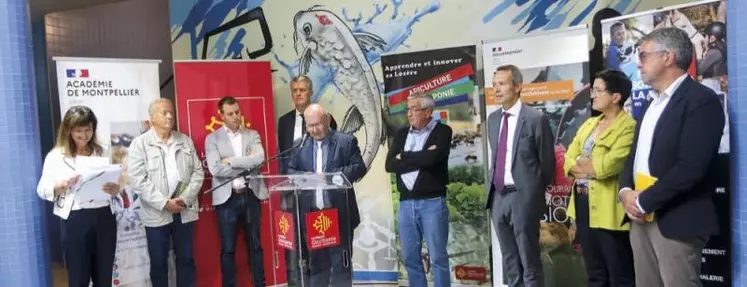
{"x":89,"y":229}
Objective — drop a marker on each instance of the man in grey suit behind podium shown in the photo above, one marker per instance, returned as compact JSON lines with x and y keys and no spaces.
{"x":229,"y":151}
{"x":521,"y":144}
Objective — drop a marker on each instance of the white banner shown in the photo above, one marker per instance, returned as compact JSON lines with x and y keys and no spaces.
{"x":118,"y":91}
{"x":555,"y":74}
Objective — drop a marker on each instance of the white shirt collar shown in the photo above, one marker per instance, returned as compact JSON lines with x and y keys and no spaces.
{"x":233,"y":134}
{"x":669,"y":90}
{"x":515,"y":109}
{"x":160,"y":141}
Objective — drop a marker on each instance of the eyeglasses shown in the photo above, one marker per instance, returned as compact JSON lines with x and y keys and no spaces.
{"x":408,"y":110}
{"x":642,"y":55}
{"x":596,"y":92}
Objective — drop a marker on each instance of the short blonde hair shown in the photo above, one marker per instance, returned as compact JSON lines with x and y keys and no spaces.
{"x":153,"y":107}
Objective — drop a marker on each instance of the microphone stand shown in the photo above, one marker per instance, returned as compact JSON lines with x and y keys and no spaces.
{"x":247,"y":172}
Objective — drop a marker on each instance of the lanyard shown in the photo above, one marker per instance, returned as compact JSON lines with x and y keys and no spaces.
{"x":60,"y":201}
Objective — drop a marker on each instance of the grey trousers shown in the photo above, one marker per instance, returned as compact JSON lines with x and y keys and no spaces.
{"x":518,"y":234}
{"x":664,"y":262}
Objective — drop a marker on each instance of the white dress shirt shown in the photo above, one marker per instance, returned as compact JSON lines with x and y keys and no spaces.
{"x":172,"y":171}
{"x":58,"y":167}
{"x":648,"y":124}
{"x":297,"y":129}
{"x":236,"y":144}
{"x":513,"y":119}
{"x":414,"y":142}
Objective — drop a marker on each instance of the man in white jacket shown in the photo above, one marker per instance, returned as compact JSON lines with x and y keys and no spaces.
{"x":164,"y":170}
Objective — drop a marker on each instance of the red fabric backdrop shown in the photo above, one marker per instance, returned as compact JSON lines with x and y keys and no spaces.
{"x":199,"y":86}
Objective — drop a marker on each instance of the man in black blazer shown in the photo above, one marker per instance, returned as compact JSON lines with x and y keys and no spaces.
{"x":291,"y":125}
{"x":675,"y":146}
{"x":419,"y":157}
{"x":328,"y":151}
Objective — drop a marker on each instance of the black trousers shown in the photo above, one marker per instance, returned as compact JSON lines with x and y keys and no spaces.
{"x":241,"y":210}
{"x":607,"y":253}
{"x":89,"y":240}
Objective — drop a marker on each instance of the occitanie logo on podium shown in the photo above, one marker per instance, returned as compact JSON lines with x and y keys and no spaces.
{"x":324,"y":229}
{"x":322,"y":223}
{"x":284,"y":236}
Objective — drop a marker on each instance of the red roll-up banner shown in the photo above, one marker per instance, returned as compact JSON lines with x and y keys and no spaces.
{"x":199,"y":86}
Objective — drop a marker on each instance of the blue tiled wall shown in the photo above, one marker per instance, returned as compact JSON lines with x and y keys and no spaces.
{"x":23,"y":250}
{"x":737,"y":40}
{"x":46,"y":129}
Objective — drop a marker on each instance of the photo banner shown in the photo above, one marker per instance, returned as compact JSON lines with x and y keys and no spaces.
{"x":556,"y":82}
{"x":705,"y":22}
{"x":448,"y":75}
{"x":199,"y":86}
{"x":118,"y":91}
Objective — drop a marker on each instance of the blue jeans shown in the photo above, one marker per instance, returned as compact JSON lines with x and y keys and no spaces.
{"x":425,"y":219}
{"x":243,"y":210}
{"x":160,"y":239}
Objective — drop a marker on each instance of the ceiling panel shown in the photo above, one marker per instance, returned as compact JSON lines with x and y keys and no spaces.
{"x":41,"y":7}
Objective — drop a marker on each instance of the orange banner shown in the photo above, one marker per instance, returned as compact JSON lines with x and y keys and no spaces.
{"x":538,"y":92}
{"x":547,"y":91}
{"x":284,"y":238}
{"x":323,"y":229}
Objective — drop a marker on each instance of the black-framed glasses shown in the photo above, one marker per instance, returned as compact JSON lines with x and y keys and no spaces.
{"x":643,"y":55}
{"x":596,"y":92}
{"x":408,"y":110}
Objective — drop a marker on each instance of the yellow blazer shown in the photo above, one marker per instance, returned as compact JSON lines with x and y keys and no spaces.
{"x":608,"y":157}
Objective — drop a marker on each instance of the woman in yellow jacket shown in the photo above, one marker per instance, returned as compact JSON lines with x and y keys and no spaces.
{"x":595,"y":159}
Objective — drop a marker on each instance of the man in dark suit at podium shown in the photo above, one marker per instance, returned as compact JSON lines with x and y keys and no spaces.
{"x":291,"y":128}
{"x":327,"y":151}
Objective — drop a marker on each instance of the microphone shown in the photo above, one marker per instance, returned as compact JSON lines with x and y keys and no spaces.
{"x":247,"y":172}
{"x":300,"y":144}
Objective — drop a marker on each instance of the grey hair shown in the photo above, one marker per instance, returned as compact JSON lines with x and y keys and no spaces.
{"x":426,"y":101}
{"x":673,"y":40}
{"x":153,"y":107}
{"x":305,"y":79}
{"x":516,"y":77}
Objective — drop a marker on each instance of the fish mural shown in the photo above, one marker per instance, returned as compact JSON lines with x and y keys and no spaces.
{"x":340,"y":50}
{"x":325,"y":38}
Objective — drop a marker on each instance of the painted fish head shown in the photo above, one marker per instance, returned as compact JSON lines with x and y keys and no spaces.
{"x":309,"y":26}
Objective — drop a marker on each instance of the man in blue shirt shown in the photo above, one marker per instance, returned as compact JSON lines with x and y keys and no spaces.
{"x":419,"y":157}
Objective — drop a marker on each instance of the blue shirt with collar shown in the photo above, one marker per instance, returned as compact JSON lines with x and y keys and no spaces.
{"x":415,"y":141}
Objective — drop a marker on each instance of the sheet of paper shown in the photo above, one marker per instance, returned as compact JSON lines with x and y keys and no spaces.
{"x":90,"y":186}
{"x":642,"y":183}
{"x":90,"y":163}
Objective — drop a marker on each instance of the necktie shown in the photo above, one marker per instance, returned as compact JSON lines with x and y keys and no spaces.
{"x":318,"y":169}
{"x":500,"y":156}
{"x":303,"y":125}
